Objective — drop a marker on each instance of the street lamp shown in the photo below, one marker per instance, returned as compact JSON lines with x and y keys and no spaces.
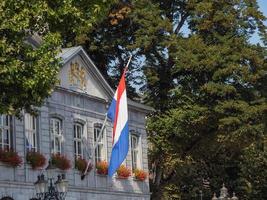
{"x":47,"y":190}
{"x":224,"y":195}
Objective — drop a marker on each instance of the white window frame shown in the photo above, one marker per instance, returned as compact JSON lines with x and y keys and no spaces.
{"x":5,"y":129}
{"x":102,"y":142}
{"x":135,"y":151}
{"x":56,"y":136}
{"x":78,"y":140}
{"x":31,"y":132}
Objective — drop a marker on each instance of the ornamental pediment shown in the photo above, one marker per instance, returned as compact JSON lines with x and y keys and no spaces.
{"x":78,"y":75}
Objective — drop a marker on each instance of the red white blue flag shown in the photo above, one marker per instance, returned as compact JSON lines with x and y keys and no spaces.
{"x":118,"y":113}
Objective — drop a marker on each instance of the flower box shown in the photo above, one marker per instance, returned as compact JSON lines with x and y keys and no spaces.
{"x":123,"y":172}
{"x":10,"y":157}
{"x":102,"y":168}
{"x":81,"y":164}
{"x":35,"y":159}
{"x":140,"y":175}
{"x":60,"y":161}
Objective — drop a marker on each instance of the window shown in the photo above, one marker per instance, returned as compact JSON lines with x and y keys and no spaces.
{"x":100,"y":150}
{"x":135,"y":151}
{"x":56,"y":135}
{"x":5,"y":132}
{"x":31,"y":132}
{"x":78,"y":133}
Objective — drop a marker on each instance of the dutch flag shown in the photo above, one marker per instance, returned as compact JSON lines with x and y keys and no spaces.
{"x":118,"y":113}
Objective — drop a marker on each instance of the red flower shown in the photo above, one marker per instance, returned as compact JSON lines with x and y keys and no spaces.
{"x":81,"y":164}
{"x":35,"y":159}
{"x":123,"y":172}
{"x":140,"y":174}
{"x":10,"y":157}
{"x":60,"y":161}
{"x":102,"y":167}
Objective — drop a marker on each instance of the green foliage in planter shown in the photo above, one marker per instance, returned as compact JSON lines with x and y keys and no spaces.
{"x":140,"y":174}
{"x":10,"y":157}
{"x":60,"y":161}
{"x":102,"y":167}
{"x":81,"y":164}
{"x":35,"y":159}
{"x":123,"y":172}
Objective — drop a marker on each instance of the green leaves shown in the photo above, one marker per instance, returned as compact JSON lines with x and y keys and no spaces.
{"x":28,"y":72}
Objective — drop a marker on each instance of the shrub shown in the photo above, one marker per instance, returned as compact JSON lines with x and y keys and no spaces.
{"x":123,"y":172}
{"x":140,"y":174}
{"x":10,"y":157}
{"x":60,"y":161}
{"x":81,"y":164}
{"x":102,"y":167}
{"x":35,"y":159}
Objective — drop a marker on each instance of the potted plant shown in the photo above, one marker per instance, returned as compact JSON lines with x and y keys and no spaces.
{"x":35,"y":159}
{"x":123,"y":172}
{"x":60,"y":161}
{"x":10,"y":157}
{"x":81,"y":164}
{"x":102,"y":168}
{"x":140,"y":174}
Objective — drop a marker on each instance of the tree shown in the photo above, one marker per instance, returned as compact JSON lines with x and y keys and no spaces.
{"x":253,"y":173}
{"x":217,"y":103}
{"x":28,"y":72}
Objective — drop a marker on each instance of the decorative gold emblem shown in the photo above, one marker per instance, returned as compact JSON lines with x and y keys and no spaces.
{"x":77,"y":76}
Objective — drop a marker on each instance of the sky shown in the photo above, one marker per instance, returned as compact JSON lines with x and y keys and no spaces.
{"x":263,"y":8}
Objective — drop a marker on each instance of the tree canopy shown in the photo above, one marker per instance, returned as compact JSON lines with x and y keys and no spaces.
{"x":192,"y":61}
{"x":206,"y":81}
{"x":28,"y":72}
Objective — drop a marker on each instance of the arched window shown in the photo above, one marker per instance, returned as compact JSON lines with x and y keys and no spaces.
{"x":78,"y":134}
{"x":56,"y":135}
{"x":101,"y":149}
{"x":5,"y":132}
{"x":31,"y":132}
{"x":135,"y":151}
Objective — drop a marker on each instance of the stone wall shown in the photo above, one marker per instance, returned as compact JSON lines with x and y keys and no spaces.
{"x":71,"y":106}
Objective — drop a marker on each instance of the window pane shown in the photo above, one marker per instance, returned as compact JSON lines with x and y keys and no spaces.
{"x":134,"y":151}
{"x":33,"y":123}
{"x":79,"y":148}
{"x":1,"y":120}
{"x":57,"y":127}
{"x":74,"y":131}
{"x":6,"y":137}
{"x":57,"y":144}
{"x":7,"y":120}
{"x":100,"y":146}
{"x":75,"y":148}
{"x":79,"y":132}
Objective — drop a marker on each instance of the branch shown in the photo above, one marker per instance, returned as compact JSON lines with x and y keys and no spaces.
{"x":181,"y":23}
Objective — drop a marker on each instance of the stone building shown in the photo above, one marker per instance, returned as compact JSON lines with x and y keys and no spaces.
{"x":68,"y":123}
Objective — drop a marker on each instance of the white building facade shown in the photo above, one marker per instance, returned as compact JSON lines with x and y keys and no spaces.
{"x":68,"y":124}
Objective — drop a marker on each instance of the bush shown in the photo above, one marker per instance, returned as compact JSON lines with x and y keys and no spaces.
{"x":140,"y":174}
{"x":123,"y":172}
{"x":10,"y":157}
{"x":35,"y":159}
{"x":60,"y":161}
{"x":81,"y":164}
{"x":102,"y":167}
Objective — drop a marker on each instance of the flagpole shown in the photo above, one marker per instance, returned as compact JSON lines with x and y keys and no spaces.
{"x":128,"y":62}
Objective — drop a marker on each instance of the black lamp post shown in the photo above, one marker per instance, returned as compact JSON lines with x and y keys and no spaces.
{"x":49,"y":190}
